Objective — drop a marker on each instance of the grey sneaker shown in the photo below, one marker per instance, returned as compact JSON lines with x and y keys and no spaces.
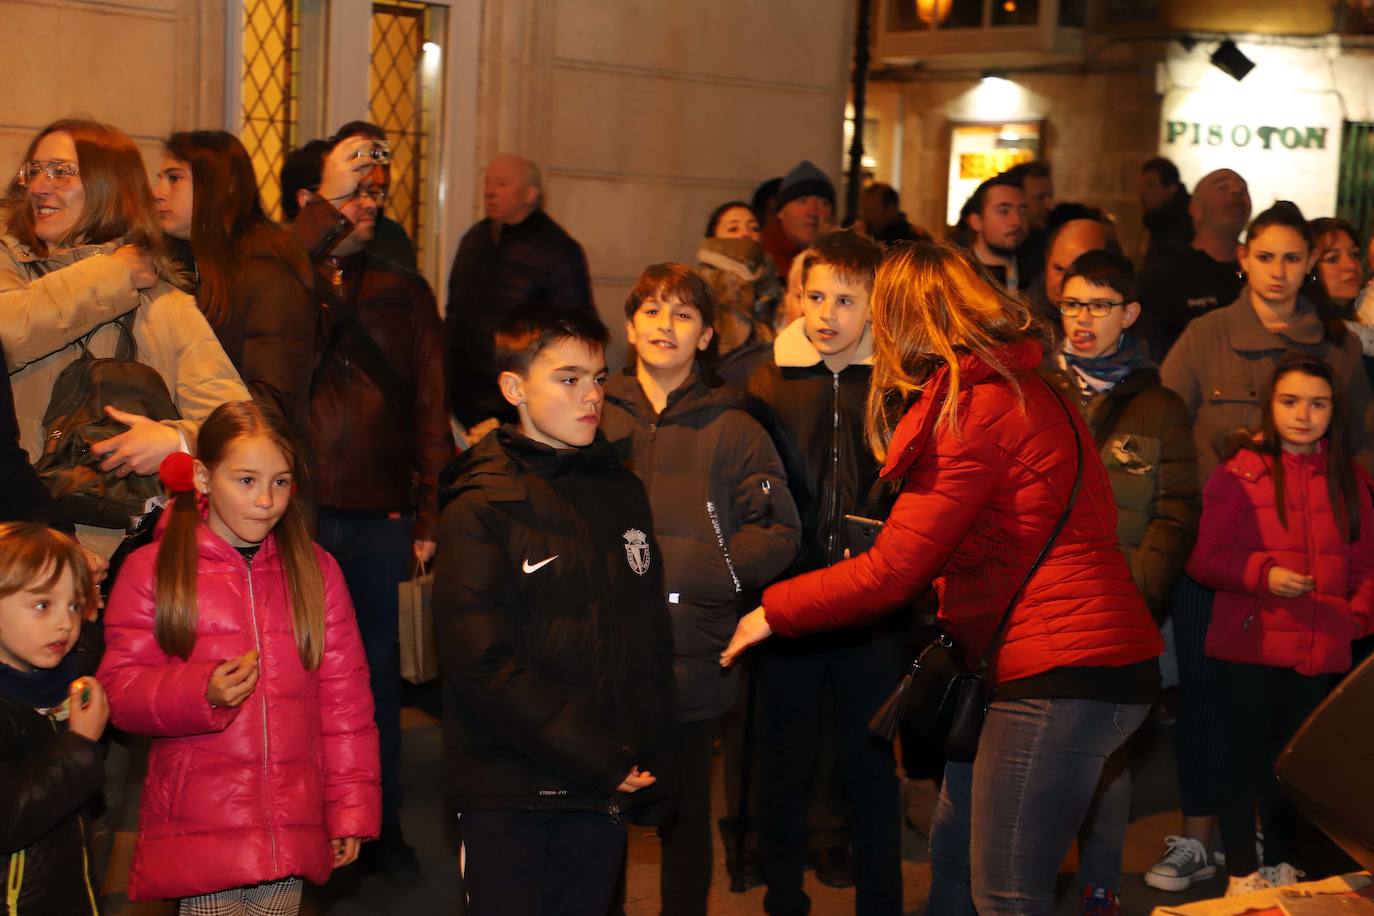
{"x":1184,"y":864}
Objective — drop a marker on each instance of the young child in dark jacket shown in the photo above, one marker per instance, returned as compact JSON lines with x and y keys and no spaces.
{"x":810,"y":397}
{"x":52,"y":714}
{"x":553,"y":634}
{"x":726,"y":523}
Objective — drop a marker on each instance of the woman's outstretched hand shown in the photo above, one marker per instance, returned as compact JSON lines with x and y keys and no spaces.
{"x":753,"y":628}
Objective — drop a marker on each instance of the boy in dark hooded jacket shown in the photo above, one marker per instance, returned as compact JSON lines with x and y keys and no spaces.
{"x":553,"y":634}
{"x":726,"y":523}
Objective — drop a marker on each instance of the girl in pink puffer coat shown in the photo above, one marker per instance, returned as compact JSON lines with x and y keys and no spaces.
{"x":1287,"y":540}
{"x":232,"y":643}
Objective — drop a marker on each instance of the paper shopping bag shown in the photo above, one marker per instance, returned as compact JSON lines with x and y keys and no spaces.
{"x":419,"y":661}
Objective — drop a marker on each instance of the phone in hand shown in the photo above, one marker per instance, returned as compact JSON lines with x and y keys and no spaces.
{"x":860,"y":533}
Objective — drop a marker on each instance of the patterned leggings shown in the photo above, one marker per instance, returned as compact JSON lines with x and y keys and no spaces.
{"x":274,"y":898}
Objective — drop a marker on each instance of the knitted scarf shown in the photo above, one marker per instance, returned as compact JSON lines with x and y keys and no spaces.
{"x":1102,"y":373}
{"x":42,"y":688}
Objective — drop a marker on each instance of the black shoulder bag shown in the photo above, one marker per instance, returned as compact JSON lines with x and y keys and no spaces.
{"x":76,"y":419}
{"x":940,"y":698}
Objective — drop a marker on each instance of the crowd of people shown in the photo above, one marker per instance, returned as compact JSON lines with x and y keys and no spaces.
{"x":1099,"y":477}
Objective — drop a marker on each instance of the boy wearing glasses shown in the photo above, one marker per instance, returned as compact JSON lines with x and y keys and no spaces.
{"x":1146,"y":442}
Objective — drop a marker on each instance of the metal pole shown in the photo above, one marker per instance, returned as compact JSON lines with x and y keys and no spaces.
{"x":859,"y":89}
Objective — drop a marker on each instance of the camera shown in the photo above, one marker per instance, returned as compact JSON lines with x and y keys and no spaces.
{"x":379,"y":152}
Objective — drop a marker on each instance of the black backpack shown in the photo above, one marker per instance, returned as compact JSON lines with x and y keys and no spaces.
{"x":76,"y":420}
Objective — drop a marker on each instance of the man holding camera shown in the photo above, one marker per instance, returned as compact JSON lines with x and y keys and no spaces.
{"x":376,"y":428}
{"x":516,"y":259}
{"x":390,"y":239}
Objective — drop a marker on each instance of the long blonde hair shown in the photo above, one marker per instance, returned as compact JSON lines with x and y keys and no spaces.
{"x":932,"y":304}
{"x":174,"y":619}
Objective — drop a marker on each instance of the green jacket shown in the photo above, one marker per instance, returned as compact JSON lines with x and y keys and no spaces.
{"x":1146,"y":443}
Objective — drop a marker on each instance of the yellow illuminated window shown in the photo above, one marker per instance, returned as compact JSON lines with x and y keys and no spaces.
{"x":400,"y":103}
{"x":270,"y":29}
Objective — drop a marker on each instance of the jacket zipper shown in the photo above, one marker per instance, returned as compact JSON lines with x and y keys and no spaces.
{"x":262,"y":701}
{"x":834,"y":467}
{"x":1308,"y":519}
{"x":614,"y":811}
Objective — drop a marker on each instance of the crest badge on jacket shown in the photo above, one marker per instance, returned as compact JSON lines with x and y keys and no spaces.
{"x":637,"y":550}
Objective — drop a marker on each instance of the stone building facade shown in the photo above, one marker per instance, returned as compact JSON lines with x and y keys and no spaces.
{"x":644,"y":115}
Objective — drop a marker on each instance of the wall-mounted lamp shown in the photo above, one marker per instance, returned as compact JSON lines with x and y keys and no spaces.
{"x":1230,"y":60}
{"x":933,"y":12}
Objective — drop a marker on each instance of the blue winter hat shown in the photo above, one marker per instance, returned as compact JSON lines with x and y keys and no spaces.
{"x":805,"y":180}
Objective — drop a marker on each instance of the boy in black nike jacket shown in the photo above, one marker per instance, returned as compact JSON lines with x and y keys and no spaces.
{"x":553,"y":634}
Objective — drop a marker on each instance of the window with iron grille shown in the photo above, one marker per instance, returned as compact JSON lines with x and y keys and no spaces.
{"x":1355,"y":190}
{"x":270,"y":68}
{"x":400,"y":104}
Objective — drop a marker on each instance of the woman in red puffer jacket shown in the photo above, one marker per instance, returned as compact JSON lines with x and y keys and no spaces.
{"x":232,"y":643}
{"x":1287,"y":540}
{"x":986,"y":457}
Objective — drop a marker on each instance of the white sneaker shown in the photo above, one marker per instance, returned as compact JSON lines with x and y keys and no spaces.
{"x":1281,"y":875}
{"x":1185,"y":863}
{"x":1255,"y":881}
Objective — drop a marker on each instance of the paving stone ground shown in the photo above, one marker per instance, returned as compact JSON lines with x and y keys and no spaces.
{"x":436,"y":891}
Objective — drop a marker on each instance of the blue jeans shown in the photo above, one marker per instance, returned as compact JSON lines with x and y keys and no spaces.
{"x":374,"y":552}
{"x":1005,"y":822}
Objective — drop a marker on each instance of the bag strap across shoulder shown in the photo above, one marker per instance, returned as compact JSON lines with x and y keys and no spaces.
{"x":997,"y":635}
{"x":126,"y":349}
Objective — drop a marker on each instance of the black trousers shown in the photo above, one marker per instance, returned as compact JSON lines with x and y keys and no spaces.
{"x":859,"y":670}
{"x":1265,"y":706}
{"x":540,"y":863}
{"x":827,"y":813}
{"x":685,"y":829}
{"x":1200,"y":735}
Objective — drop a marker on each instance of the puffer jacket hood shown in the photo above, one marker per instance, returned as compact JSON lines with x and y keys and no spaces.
{"x":1242,"y":539}
{"x":723,"y":517}
{"x":976,"y":506}
{"x":552,"y":631}
{"x":241,"y":795}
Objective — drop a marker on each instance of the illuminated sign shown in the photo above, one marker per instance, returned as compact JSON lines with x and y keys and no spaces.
{"x":980,"y":151}
{"x":1268,"y":136}
{"x":1284,"y":142}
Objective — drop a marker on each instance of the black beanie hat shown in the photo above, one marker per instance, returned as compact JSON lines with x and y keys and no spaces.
{"x":805,"y":180}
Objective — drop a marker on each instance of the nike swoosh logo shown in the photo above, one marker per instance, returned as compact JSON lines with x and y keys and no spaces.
{"x":529,"y":567}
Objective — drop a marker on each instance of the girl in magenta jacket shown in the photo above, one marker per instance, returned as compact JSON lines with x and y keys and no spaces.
{"x":1287,"y":540}
{"x":232,"y":643}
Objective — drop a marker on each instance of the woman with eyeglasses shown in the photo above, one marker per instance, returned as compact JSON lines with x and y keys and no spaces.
{"x":80,"y":247}
{"x":250,"y":277}
{"x":1220,"y":367}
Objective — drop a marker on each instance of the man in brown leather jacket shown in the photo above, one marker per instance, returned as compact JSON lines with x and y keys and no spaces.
{"x":377,"y":426}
